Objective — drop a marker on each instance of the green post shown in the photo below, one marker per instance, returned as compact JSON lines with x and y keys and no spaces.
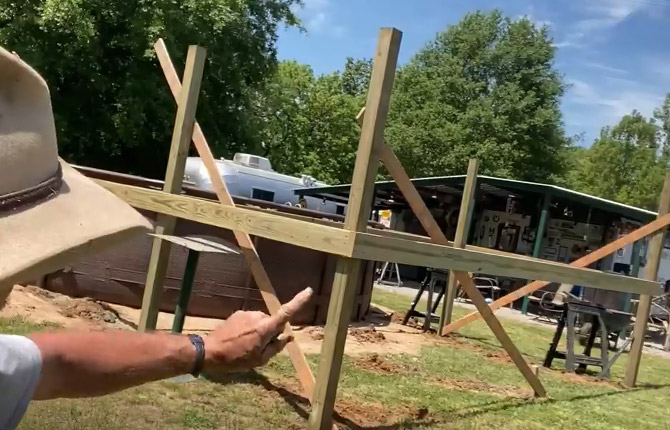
{"x":541,"y":227}
{"x":185,"y":291}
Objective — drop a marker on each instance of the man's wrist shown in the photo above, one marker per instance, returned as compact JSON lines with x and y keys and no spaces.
{"x":199,"y":348}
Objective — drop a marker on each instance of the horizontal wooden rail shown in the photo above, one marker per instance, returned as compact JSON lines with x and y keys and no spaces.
{"x":255,"y":222}
{"x":394,"y":247}
{"x":372,"y":247}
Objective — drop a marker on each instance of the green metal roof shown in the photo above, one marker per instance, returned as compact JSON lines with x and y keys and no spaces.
{"x":489,"y":184}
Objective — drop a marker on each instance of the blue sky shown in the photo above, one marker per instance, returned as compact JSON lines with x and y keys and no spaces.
{"x":615,"y":54}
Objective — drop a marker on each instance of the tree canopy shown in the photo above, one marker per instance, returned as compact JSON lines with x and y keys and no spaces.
{"x":112,"y":106}
{"x":309,"y":122}
{"x":627,"y":163}
{"x":485,"y":88}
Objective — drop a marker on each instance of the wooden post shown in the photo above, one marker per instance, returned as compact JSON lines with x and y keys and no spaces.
{"x":642,"y":232}
{"x":429,"y":224}
{"x":537,"y":246}
{"x":654,"y":252}
{"x":247,"y":245}
{"x":348,"y":271}
{"x":634,"y":273}
{"x":460,"y":239}
{"x":181,"y":139}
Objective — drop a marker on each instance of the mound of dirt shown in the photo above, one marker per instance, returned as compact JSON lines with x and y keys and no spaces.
{"x":88,"y":309}
{"x":367,"y":334}
{"x":483,"y":387}
{"x":375,"y":364}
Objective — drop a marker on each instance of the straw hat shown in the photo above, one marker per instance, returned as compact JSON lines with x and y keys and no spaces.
{"x":49,"y":213}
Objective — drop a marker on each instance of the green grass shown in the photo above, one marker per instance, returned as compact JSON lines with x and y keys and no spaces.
{"x":426,"y":381}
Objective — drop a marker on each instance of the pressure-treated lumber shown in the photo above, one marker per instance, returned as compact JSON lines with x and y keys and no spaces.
{"x":397,"y":247}
{"x":181,"y":139}
{"x":654,"y":253}
{"x":348,"y":272}
{"x":372,"y":247}
{"x":417,"y":204}
{"x":460,"y":239}
{"x":255,"y":222}
{"x":642,"y":232}
{"x":243,"y":239}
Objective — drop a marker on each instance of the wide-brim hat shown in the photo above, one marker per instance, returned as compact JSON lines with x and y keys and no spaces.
{"x":49,"y":213}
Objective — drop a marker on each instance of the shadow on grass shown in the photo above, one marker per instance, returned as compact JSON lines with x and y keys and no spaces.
{"x":505,"y":405}
{"x":301,"y":404}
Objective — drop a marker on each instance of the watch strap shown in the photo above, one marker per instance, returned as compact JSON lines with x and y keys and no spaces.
{"x":199,"y":345}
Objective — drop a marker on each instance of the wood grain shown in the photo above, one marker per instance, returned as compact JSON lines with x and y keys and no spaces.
{"x":243,"y":239}
{"x":372,"y":247}
{"x":348,"y":271}
{"x":632,"y":237}
{"x":417,"y":204}
{"x":654,"y":253}
{"x":174,"y":174}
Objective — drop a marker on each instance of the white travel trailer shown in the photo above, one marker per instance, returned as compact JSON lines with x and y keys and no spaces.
{"x":252,"y":176}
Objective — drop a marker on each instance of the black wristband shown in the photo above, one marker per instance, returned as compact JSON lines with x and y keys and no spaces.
{"x":199,"y":346}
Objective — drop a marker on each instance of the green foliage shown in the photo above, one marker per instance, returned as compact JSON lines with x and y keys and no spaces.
{"x":626,"y":163}
{"x":309,"y":123}
{"x":485,"y":88}
{"x":112,"y":106}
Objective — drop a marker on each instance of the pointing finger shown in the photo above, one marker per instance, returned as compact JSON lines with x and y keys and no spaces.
{"x":275,"y":324}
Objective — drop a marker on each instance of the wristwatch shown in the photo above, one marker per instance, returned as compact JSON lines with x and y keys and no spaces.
{"x":199,"y":346}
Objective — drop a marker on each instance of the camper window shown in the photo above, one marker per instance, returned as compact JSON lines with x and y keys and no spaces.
{"x":268,"y":196}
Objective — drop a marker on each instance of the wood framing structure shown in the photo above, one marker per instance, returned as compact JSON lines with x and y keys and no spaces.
{"x":181,"y":138}
{"x":644,"y":305}
{"x":352,"y":241}
{"x":460,"y":239}
{"x":648,"y":229}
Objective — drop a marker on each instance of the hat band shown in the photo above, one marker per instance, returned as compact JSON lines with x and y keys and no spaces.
{"x":41,"y":191}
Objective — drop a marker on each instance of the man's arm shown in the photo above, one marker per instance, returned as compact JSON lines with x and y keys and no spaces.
{"x":97,"y":363}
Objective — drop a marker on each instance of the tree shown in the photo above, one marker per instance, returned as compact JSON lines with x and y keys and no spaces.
{"x":112,"y":106}
{"x":626,"y":163}
{"x":485,"y":88}
{"x":308,"y":122}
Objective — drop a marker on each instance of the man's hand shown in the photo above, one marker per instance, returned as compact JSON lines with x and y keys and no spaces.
{"x":250,"y":339}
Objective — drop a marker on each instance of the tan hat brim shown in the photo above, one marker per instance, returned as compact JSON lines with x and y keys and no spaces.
{"x":83,"y":218}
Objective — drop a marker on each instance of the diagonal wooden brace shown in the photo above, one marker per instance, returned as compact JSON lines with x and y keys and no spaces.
{"x":585,"y":261}
{"x":428,"y":222}
{"x":243,"y":239}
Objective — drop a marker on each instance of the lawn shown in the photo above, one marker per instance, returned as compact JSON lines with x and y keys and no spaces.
{"x":462,"y":383}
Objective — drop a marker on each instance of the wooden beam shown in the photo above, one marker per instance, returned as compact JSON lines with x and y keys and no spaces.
{"x":181,"y":138}
{"x":243,"y":239}
{"x":349,"y":272}
{"x":418,"y":206}
{"x":379,"y":248}
{"x":261,"y":223}
{"x":642,"y":232}
{"x":654,"y":253}
{"x":460,"y":239}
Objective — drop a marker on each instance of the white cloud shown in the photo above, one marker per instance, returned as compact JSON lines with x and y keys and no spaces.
{"x":598,"y":16}
{"x":605,"y":105}
{"x":317,"y":16}
{"x":605,"y":67}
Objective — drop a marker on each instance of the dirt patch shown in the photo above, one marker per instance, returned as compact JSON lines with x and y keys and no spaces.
{"x":375,"y":364}
{"x":578,"y":378}
{"x":315,"y":333}
{"x":367,"y":334}
{"x":39,"y":305}
{"x":349,"y":413}
{"x":354,"y":414}
{"x":483,"y":387}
